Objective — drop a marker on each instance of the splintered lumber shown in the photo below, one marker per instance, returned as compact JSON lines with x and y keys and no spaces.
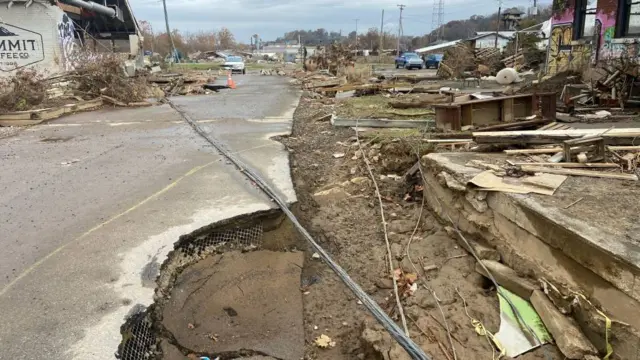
{"x":567,"y":165}
{"x":624,"y":136}
{"x":553,"y":150}
{"x":575,"y":172}
{"x":382,"y":123}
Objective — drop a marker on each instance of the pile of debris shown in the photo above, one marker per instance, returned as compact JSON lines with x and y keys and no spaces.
{"x":195,"y":83}
{"x":457,"y":60}
{"x":462,"y":61}
{"x":612,"y":85}
{"x":97,"y":77}
{"x":331,"y":59}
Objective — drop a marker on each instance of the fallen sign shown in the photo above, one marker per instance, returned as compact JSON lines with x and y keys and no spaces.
{"x":382,"y":123}
{"x":623,"y":136}
{"x":490,"y":111}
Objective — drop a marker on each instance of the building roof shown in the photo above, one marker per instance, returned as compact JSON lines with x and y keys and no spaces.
{"x":512,"y":11}
{"x":483,"y":34}
{"x":504,"y":34}
{"x":437,"y":47}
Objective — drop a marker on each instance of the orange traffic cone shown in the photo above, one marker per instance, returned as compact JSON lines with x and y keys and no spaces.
{"x":230,"y":83}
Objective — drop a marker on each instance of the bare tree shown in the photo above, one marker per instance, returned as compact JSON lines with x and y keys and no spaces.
{"x":226,"y":39}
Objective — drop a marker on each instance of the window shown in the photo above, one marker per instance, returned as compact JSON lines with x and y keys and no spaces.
{"x":585,"y":18}
{"x":628,"y":23}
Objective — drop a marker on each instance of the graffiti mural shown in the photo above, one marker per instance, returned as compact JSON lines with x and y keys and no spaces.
{"x":562,"y":55}
{"x":615,"y":48}
{"x":66,"y":34}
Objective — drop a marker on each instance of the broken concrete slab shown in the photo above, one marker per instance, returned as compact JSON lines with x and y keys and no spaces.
{"x":565,"y":331}
{"x":507,"y":278}
{"x":225,"y":296}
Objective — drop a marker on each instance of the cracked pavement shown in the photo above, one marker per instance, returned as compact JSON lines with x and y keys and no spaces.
{"x":92,"y":203}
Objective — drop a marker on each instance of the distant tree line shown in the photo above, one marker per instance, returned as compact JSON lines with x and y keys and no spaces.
{"x":453,"y":30}
{"x":188,"y":42}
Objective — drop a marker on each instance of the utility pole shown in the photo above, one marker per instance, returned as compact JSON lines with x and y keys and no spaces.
{"x":401,"y":6}
{"x":495,"y":45}
{"x":356,"y":35}
{"x":174,"y":54}
{"x":381,"y":34}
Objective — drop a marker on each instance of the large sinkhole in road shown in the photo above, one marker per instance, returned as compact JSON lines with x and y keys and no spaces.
{"x":229,"y":290}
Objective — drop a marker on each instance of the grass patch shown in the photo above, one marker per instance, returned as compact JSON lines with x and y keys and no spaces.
{"x":377,"y":107}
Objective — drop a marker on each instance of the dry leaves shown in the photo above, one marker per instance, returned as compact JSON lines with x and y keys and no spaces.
{"x":323,"y":341}
{"x":406,"y":282}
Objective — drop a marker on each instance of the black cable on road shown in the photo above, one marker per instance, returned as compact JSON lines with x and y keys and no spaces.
{"x":394,"y":330}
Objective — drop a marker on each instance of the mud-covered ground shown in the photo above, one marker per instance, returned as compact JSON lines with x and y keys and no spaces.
{"x":345,"y":219}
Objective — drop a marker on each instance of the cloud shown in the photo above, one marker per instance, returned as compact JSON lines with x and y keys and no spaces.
{"x":273,"y":18}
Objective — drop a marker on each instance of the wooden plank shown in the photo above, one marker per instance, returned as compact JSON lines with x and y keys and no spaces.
{"x":553,"y":150}
{"x":635,"y":148}
{"x":466,"y":115}
{"x":516,"y":124}
{"x":382,"y":123}
{"x":449,"y":118}
{"x":23,"y":115}
{"x":437,"y":141}
{"x":38,"y":116}
{"x":574,"y":172}
{"x":623,"y":136}
{"x":499,"y":98}
{"x":507,"y":110}
{"x":363,"y":87}
{"x":548,"y":126}
{"x":567,"y":165}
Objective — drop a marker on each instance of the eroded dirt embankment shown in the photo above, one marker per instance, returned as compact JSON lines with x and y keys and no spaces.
{"x":337,"y":204}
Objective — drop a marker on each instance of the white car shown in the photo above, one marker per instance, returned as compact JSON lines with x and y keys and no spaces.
{"x":235,"y":64}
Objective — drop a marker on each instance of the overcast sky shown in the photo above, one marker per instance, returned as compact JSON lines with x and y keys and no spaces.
{"x":272,"y":18}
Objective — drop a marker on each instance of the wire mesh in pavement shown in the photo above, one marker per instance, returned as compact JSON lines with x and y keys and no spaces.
{"x":239,"y":237}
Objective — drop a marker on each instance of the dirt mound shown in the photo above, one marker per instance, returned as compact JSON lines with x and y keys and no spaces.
{"x":350,"y":228}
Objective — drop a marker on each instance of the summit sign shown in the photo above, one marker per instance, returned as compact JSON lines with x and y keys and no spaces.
{"x":19,"y":47}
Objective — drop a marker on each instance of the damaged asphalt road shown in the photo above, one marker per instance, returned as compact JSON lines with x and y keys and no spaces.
{"x":92,"y":203}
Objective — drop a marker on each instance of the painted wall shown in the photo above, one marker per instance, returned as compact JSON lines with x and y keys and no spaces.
{"x":566,"y":54}
{"x":34,"y":37}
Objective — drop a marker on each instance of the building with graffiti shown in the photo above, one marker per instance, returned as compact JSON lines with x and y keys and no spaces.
{"x":45,"y":35}
{"x":589,"y":32}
